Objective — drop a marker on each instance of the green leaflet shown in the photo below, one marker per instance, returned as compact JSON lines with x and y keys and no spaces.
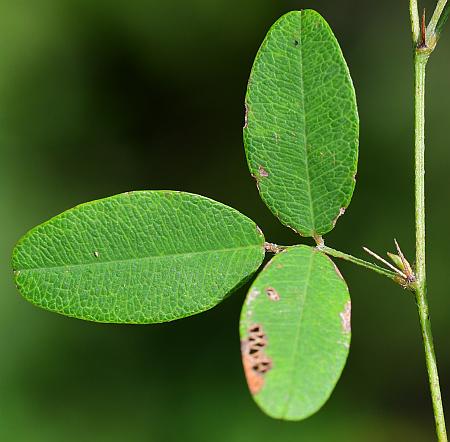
{"x":302,"y":127}
{"x":138,"y":257}
{"x":295,"y":333}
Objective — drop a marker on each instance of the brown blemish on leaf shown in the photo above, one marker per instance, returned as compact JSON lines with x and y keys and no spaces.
{"x":273,"y":248}
{"x":341,"y":212}
{"x":272,"y":294}
{"x":246,"y":116}
{"x":262,"y":172}
{"x":346,"y":317}
{"x":256,"y":363}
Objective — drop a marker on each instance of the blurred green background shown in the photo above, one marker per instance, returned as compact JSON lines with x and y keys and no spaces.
{"x":100,"y":97}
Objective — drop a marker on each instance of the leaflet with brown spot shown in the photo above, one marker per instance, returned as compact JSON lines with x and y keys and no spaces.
{"x":256,"y":363}
{"x":272,"y":294}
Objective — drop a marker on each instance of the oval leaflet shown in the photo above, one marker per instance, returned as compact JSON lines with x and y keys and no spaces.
{"x":302,"y":127}
{"x":295,"y":333}
{"x":138,"y":257}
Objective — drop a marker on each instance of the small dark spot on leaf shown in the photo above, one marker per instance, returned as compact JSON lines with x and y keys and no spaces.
{"x":272,"y":294}
{"x":295,"y":42}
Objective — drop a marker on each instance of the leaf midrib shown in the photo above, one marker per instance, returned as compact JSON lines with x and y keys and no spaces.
{"x":302,"y":93}
{"x":297,"y":339}
{"x":144,"y":258}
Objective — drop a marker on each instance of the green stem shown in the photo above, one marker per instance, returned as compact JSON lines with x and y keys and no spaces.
{"x":360,"y":262}
{"x":420,"y":62}
{"x":276,"y":248}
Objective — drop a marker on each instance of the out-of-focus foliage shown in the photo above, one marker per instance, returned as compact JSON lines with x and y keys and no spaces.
{"x":102,"y":97}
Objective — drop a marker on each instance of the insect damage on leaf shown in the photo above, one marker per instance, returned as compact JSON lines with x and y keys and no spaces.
{"x":246,"y":116}
{"x":346,"y":317}
{"x":341,"y":212}
{"x":256,"y":363}
{"x":272,"y":294}
{"x":263,"y":172}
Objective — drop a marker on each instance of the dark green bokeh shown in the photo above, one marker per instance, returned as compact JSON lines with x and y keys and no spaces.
{"x":102,"y":97}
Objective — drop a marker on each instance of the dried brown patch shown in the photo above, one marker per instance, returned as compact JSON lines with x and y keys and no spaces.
{"x":341,"y":212}
{"x":272,"y":248}
{"x":272,"y":294}
{"x":346,"y":317}
{"x":256,"y":363}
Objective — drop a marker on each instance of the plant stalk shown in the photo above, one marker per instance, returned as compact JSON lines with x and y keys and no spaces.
{"x":360,"y":262}
{"x":420,"y":62}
